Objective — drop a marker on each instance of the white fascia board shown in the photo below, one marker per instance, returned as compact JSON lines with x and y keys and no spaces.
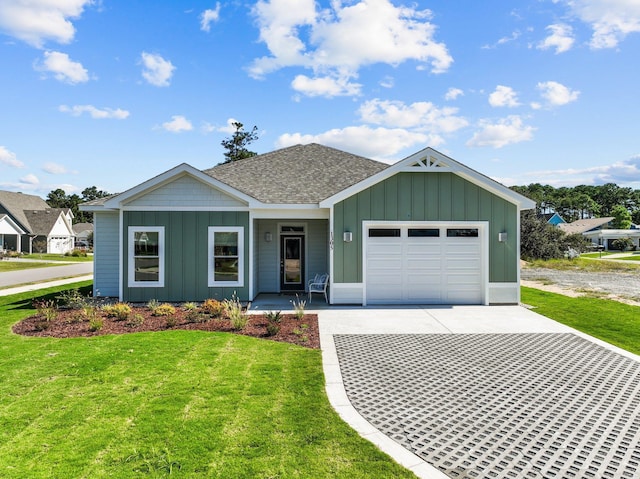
{"x":183,"y":169}
{"x":441,"y":163}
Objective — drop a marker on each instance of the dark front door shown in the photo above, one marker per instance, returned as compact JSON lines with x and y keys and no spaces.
{"x":292,"y":263}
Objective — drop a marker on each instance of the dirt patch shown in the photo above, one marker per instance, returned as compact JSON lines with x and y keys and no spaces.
{"x":71,"y":323}
{"x":618,"y":286}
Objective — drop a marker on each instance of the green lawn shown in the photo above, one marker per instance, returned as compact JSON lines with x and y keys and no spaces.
{"x":600,"y":254}
{"x":59,"y":257}
{"x":174,"y":403}
{"x":611,"y":321}
{"x":635,"y":257}
{"x":20,"y":265}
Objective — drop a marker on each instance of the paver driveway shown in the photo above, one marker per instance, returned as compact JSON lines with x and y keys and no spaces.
{"x":502,"y":402}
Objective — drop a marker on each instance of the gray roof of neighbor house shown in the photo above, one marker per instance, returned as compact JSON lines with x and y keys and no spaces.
{"x":582,"y":226}
{"x":300,"y":174}
{"x":80,"y":227}
{"x":43,"y":221}
{"x":16,"y":203}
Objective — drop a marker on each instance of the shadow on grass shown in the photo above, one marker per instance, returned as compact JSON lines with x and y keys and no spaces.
{"x":26,"y":300}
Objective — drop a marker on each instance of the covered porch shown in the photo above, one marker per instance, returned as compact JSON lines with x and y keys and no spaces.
{"x":287,"y":254}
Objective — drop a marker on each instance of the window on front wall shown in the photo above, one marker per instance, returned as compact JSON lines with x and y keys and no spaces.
{"x":146,"y":256}
{"x":226,"y":256}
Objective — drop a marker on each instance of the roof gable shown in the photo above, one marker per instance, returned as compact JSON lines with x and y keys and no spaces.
{"x":14,"y":205}
{"x":300,"y":174}
{"x":432,"y":161}
{"x":159,"y":182}
{"x":44,"y":221}
{"x":8,"y":226}
{"x":584,"y":225}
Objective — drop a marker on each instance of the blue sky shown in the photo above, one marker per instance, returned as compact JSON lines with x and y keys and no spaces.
{"x":112,"y":92}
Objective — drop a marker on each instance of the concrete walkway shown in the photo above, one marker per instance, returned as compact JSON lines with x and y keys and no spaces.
{"x":371,"y":341}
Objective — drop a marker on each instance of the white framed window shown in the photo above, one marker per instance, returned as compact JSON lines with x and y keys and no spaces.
{"x":226,"y":256}
{"x":146,"y":256}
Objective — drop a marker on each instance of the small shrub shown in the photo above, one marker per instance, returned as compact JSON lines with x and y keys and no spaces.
{"x":622,"y":244}
{"x":274,"y":316}
{"x":298,"y":307}
{"x":72,"y":298}
{"x":190,"y":306}
{"x":90,"y":312}
{"x":77,"y":253}
{"x":213,"y":307}
{"x":235,"y":313}
{"x":171,"y":321}
{"x":152,"y":304}
{"x":137,"y":320}
{"x":165,"y":309}
{"x":273,"y":329}
{"x":301,"y":332}
{"x":120,"y":311}
{"x":96,"y":324}
{"x":46,"y":309}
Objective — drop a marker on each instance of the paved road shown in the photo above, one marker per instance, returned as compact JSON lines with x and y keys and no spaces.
{"x":10,"y":278}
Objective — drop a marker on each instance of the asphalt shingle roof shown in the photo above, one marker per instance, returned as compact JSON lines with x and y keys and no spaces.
{"x":43,"y":221}
{"x":16,"y":203}
{"x":582,"y":226}
{"x":300,"y":174}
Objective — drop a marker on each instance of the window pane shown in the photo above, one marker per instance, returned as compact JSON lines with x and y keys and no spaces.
{"x":225,"y":244}
{"x":384,"y":233}
{"x":462,"y":233}
{"x":145,"y":243}
{"x":147,"y":269}
{"x":424,"y":232}
{"x":225,"y":269}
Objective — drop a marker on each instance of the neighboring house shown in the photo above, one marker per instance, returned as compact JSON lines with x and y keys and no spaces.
{"x":29,"y":220}
{"x":424,"y":230}
{"x":553,"y":218}
{"x":83,"y":232}
{"x":599,"y":231}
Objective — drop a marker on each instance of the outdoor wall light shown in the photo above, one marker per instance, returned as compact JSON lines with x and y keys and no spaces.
{"x":347,"y":236}
{"x":502,"y":237}
{"x":268,"y":237}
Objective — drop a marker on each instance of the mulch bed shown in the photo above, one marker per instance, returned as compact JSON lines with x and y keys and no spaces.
{"x":70,"y":323}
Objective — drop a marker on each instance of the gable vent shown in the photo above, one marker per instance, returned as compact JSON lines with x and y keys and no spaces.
{"x":430,"y":163}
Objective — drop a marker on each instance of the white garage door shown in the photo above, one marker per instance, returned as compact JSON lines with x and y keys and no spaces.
{"x":424,"y":264}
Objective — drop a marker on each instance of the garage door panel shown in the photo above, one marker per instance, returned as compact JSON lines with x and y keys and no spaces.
{"x":428,"y":270}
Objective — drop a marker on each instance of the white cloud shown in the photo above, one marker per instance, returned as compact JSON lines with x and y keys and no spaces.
{"x":9,"y":158}
{"x":36,"y":21}
{"x":421,"y":116}
{"x":209,"y":16}
{"x":157,"y":71}
{"x":338,"y":41}
{"x":623,"y":173}
{"x":325,"y":86}
{"x":610,"y":20}
{"x":561,"y":38}
{"x":94,"y":112}
{"x":387,"y":82}
{"x":503,"y":96}
{"x":513,"y":37}
{"x":54,"y":168}
{"x":63,"y":68}
{"x":453,"y":93}
{"x":378,"y":143}
{"x":30,"y":179}
{"x":177,"y":124}
{"x":556,"y":94}
{"x":505,"y":131}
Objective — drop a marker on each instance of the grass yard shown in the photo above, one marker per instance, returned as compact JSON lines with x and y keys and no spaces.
{"x":174,"y":403}
{"x":59,"y":257}
{"x":611,"y":321}
{"x":635,"y":257}
{"x":20,"y":265}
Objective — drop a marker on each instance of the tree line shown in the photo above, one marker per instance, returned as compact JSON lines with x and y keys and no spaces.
{"x":584,"y":201}
{"x":59,"y":199}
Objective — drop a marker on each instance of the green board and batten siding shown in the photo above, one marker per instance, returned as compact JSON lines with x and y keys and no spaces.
{"x":186,"y":245}
{"x":425,"y":197}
